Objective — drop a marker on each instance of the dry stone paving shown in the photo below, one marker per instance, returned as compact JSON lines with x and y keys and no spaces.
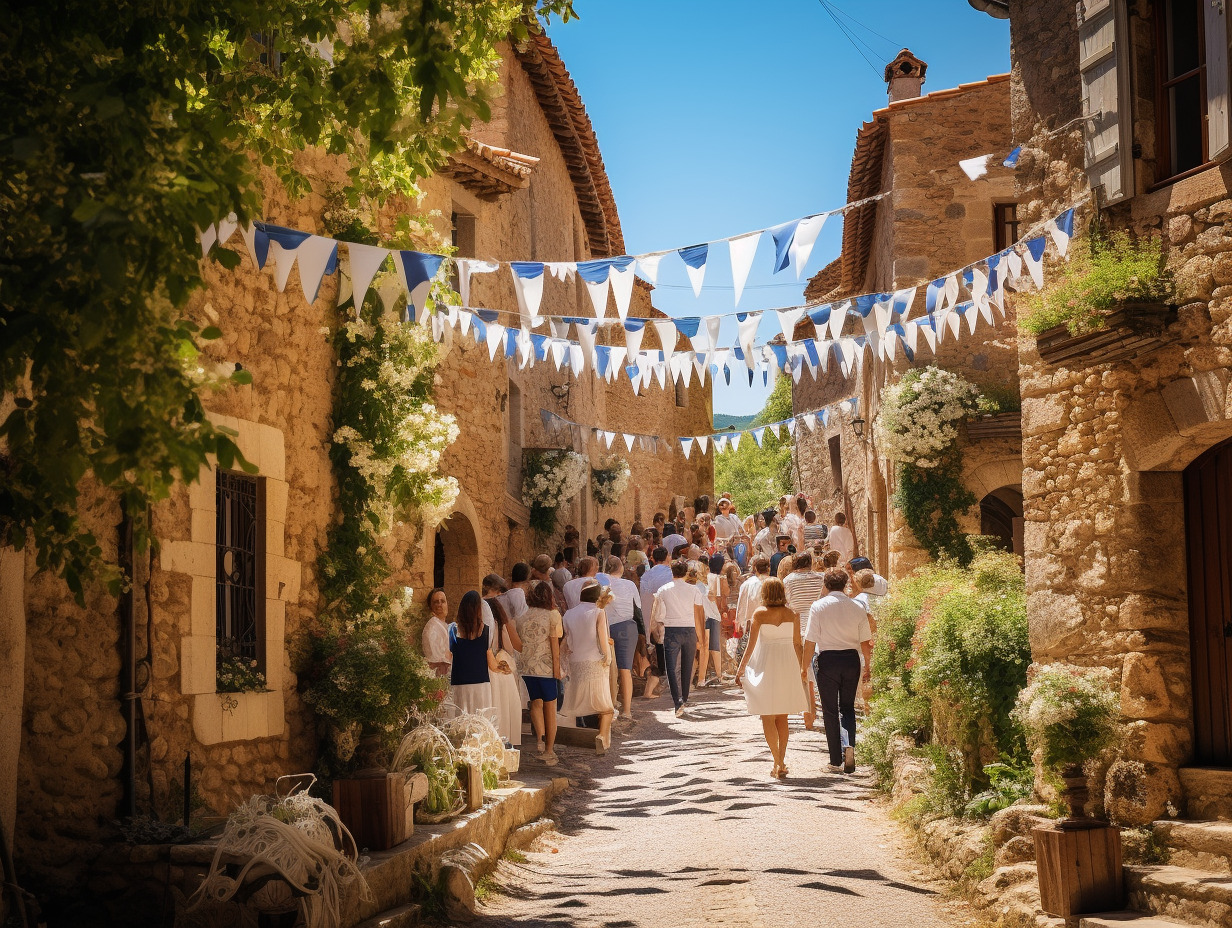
{"x":681,"y":825}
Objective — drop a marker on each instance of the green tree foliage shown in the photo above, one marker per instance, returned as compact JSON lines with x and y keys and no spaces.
{"x":757,"y":477}
{"x":126,"y":126}
{"x":950,"y":657}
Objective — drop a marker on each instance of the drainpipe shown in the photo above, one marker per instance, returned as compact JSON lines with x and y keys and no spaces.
{"x":128,"y":670}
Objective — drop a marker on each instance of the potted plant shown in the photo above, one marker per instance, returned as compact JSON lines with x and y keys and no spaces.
{"x":549,"y":477}
{"x":1112,"y":299}
{"x":1070,"y":716}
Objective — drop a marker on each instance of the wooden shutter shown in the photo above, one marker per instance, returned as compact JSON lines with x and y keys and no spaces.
{"x":1103,"y":61}
{"x":1216,"y":78}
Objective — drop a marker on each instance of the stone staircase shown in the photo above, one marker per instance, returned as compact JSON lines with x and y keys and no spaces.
{"x":1193,"y":889}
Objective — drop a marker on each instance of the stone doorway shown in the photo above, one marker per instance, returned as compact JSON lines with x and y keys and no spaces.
{"x":1001,"y":518}
{"x":455,"y":561}
{"x":1208,"y":537}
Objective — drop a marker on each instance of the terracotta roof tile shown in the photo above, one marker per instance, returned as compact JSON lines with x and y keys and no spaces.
{"x":489,"y":171}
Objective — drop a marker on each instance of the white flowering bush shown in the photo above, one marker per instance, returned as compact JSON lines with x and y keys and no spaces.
{"x":920,"y":413}
{"x":549,"y":478}
{"x":609,"y":479}
{"x":1070,"y":714}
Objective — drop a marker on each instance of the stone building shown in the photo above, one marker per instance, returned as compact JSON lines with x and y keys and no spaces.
{"x":530,"y":185}
{"x":932,"y":220}
{"x":1123,"y":110}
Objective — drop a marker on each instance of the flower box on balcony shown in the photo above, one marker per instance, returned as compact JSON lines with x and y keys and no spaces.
{"x":1130,"y":329}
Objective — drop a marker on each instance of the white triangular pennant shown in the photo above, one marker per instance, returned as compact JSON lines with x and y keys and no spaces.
{"x":802,"y":244}
{"x":207,"y":237}
{"x":226,"y":228}
{"x":742,"y":251}
{"x":577,"y":360}
{"x":788,"y":319}
{"x":838,"y":317}
{"x":633,"y":342}
{"x":649,"y":266}
{"x":496,"y":340}
{"x":748,"y":334}
{"x":365,"y":261}
{"x":622,"y":288}
{"x":696,"y":276}
{"x":529,"y":291}
{"x":313,"y":254}
{"x":667,"y":335}
{"x":628,"y":440}
{"x":283,"y":261}
{"x":598,"y":296}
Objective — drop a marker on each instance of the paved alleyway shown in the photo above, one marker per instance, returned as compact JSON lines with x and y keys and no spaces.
{"x":681,"y":825}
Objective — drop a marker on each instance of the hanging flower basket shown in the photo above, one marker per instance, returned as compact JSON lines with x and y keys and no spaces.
{"x":609,"y":480}
{"x":549,"y":478}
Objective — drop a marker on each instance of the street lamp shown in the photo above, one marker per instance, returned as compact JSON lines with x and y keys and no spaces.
{"x":857,"y":426}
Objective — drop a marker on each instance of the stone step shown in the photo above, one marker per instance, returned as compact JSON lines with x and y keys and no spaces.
{"x":1128,"y":919}
{"x":1208,"y":792}
{"x":1197,"y":845}
{"x":1197,"y":897}
{"x":404,"y":916}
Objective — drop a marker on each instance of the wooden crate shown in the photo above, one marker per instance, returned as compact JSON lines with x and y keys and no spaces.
{"x":1079,"y":869}
{"x":374,"y":809}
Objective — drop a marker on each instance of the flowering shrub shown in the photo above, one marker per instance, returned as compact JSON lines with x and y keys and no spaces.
{"x":1101,"y":273}
{"x":363,"y":670}
{"x":918,"y":422}
{"x":609,"y":480}
{"x":549,"y":478}
{"x":1070,"y":714}
{"x":239,"y":675}
{"x":950,"y":658}
{"x":918,"y":428}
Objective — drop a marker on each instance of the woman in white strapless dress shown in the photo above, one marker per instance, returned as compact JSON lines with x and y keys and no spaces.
{"x":771,"y":672}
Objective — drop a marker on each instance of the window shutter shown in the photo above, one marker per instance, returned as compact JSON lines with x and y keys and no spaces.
{"x":1216,"y":78}
{"x":1103,"y":62}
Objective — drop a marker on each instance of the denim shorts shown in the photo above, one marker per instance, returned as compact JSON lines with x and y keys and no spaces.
{"x":541,"y":688}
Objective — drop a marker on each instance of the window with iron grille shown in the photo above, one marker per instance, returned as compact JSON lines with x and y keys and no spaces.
{"x":240,"y":573}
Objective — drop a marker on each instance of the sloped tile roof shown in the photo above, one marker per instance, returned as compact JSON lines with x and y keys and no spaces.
{"x":562,"y":105}
{"x":489,"y":171}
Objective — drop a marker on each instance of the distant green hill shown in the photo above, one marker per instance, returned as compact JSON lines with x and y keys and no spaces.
{"x":723,"y":421}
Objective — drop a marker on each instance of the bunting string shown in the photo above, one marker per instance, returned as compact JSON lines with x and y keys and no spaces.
{"x":720,"y":441}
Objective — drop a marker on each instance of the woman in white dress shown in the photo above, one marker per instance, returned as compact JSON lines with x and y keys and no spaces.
{"x":771,"y":672}
{"x":435,"y":637}
{"x":588,"y":646}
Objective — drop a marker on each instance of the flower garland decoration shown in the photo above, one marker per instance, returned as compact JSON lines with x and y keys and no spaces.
{"x":609,"y":480}
{"x":917,"y":427}
{"x":549,"y":478}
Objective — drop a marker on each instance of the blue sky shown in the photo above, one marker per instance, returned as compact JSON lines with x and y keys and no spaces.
{"x":716,"y":118}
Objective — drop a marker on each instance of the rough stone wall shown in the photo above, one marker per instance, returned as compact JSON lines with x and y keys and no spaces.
{"x":935,"y":220}
{"x":1104,"y":444}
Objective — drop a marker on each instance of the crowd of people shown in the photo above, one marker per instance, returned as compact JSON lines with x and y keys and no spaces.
{"x":778,"y":603}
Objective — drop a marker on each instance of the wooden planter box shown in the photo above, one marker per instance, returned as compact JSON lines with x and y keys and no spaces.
{"x":1079,"y":869}
{"x":375,"y":809}
{"x":1131,"y":329}
{"x":998,"y":425}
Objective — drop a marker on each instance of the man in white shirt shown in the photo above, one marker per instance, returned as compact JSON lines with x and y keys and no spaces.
{"x":838,"y":631}
{"x":680,"y":607}
{"x":656,"y":576}
{"x":841,"y":539}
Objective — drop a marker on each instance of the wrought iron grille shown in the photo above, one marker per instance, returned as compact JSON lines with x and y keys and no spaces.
{"x":238,"y":616}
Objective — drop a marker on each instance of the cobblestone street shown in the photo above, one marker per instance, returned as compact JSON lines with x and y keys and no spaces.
{"x":681,"y":824}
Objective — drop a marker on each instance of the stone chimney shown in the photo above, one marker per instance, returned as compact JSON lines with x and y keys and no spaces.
{"x":904,"y":76}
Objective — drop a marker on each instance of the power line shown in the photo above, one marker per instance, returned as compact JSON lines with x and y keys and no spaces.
{"x":843,"y":29}
{"x":866,"y":27}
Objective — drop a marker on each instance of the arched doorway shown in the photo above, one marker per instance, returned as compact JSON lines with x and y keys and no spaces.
{"x":455,"y":559}
{"x":1208,"y":552}
{"x":1001,"y":518}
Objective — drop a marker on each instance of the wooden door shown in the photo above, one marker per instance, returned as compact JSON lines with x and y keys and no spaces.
{"x":1208,"y":531}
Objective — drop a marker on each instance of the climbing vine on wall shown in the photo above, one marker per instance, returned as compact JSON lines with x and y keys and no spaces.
{"x":918,"y":429}
{"x":361,"y":669}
